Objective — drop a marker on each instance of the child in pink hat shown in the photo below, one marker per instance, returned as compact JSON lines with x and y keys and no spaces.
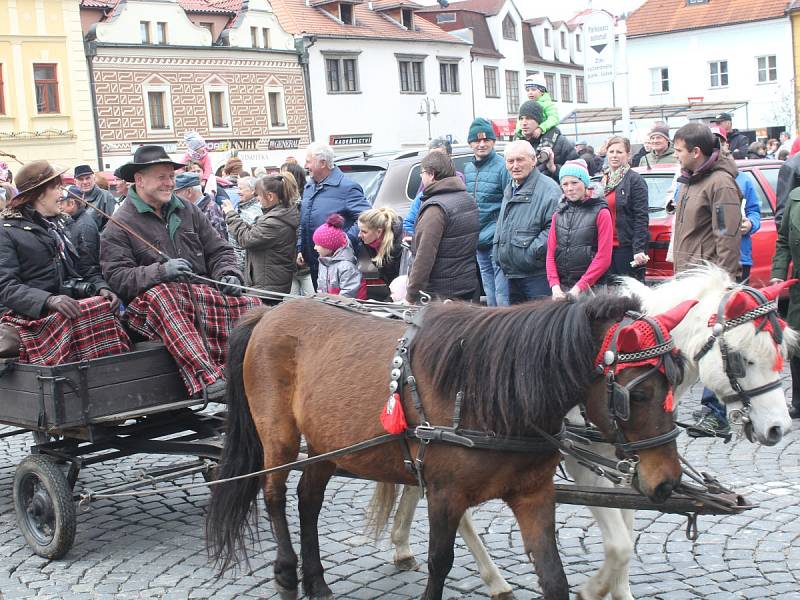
{"x":338,"y":267}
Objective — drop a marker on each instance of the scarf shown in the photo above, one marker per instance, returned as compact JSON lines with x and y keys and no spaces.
{"x":611,"y":179}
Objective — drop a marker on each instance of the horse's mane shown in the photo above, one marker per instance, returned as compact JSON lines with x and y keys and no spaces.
{"x":517,"y":366}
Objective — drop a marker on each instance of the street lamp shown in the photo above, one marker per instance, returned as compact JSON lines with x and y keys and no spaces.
{"x":427,"y":108}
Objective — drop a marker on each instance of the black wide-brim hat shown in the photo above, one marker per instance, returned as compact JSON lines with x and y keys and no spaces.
{"x":147,"y":156}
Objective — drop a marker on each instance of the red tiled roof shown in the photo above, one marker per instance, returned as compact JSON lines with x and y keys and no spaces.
{"x":664,"y":16}
{"x":388,"y":4}
{"x":482,"y":43}
{"x":487,"y":7}
{"x":225,"y":7}
{"x":536,"y":21}
{"x":296,"y":18}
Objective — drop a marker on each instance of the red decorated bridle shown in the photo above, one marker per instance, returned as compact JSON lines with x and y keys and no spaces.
{"x":623,"y":348}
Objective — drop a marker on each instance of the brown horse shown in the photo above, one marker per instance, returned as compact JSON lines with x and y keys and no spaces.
{"x":310,"y":369}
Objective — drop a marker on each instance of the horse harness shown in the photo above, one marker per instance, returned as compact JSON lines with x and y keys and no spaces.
{"x":732,"y":361}
{"x":618,"y":400}
{"x":610,"y":362}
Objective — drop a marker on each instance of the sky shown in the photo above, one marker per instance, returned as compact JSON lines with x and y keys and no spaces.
{"x":564,"y":9}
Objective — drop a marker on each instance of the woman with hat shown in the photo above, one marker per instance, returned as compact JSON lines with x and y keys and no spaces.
{"x":55,"y":308}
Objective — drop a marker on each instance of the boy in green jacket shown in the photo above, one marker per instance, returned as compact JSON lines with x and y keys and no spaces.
{"x":537,"y":90}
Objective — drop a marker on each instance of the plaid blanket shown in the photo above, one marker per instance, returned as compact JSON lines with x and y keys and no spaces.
{"x":194,"y":322}
{"x":55,"y":339}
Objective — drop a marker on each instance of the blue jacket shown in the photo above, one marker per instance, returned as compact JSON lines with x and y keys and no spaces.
{"x":520,"y":240}
{"x":752,"y":211}
{"x":486,"y":181}
{"x":335,"y":194}
{"x":410,"y":222}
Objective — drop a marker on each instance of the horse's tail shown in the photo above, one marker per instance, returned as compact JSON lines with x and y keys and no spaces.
{"x":380,"y":509}
{"x":228,"y":526}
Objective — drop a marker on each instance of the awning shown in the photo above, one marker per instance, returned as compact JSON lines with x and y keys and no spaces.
{"x":661,"y":112}
{"x":504,"y":127}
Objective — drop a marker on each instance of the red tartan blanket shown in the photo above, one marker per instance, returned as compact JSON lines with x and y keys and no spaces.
{"x":55,"y":339}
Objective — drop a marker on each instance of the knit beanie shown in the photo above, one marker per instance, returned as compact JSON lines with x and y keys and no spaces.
{"x":194,"y":141}
{"x":661,"y":130}
{"x":532,"y":110}
{"x":331,"y":233}
{"x":481,"y":125}
{"x":575,"y":168}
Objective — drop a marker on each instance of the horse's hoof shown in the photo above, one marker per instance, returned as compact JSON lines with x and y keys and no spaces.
{"x":406,"y":564}
{"x":321,"y":597}
{"x":285,"y":593}
{"x":504,"y":596}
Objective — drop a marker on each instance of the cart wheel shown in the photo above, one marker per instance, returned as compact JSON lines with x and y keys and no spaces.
{"x":44,"y":506}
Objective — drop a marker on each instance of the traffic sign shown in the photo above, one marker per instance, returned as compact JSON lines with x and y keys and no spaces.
{"x":598,"y":58}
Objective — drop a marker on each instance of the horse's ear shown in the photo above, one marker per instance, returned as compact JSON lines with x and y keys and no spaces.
{"x":738,"y":304}
{"x":774,"y":290}
{"x":675,"y":315}
{"x":631,"y":339}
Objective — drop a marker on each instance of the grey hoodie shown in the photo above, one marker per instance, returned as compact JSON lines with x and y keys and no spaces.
{"x":339,"y":274}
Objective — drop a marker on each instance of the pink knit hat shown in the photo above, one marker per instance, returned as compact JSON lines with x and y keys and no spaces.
{"x":331,"y":233}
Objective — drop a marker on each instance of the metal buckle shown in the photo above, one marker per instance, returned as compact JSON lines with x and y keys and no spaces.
{"x":739,"y":416}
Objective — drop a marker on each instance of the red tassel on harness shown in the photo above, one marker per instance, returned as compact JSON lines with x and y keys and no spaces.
{"x":777,"y":366}
{"x":669,"y":401}
{"x":393,"y":418}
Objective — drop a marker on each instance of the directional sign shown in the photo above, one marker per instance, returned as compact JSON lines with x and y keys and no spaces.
{"x":598,"y":28}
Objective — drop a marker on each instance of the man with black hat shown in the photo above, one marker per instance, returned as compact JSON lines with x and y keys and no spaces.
{"x":149,"y":252}
{"x":188,"y":189}
{"x":551,"y":155}
{"x":737,"y":141}
{"x":87,"y":189}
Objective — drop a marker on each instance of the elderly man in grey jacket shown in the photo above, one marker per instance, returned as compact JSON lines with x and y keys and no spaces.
{"x":520,"y":241}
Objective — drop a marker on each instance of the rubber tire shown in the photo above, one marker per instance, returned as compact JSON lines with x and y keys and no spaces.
{"x":58,"y":492}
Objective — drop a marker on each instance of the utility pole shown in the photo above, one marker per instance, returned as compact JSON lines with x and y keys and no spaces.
{"x":427,"y":108}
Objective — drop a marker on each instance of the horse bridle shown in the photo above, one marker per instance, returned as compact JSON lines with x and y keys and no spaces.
{"x":732,"y":361}
{"x":618,"y":395}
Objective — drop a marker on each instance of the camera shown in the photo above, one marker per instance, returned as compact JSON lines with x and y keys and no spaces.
{"x":77,"y":289}
{"x":544,"y":151}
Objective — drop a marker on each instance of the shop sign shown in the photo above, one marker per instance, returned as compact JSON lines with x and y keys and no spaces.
{"x":169,"y":147}
{"x":355,"y":139}
{"x":280,"y":143}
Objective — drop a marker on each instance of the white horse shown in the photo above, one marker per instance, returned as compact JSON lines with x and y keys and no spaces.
{"x":766,"y":423}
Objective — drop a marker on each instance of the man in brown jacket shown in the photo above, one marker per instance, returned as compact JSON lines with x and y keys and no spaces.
{"x":707,"y":227}
{"x":193,"y":320}
{"x":709,"y":213}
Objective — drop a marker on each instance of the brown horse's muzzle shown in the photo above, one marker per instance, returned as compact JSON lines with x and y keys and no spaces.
{"x":658,"y":472}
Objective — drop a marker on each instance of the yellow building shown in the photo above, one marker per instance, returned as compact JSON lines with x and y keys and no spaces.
{"x":45,"y":97}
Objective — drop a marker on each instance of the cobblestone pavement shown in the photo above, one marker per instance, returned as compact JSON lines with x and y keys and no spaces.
{"x":154,"y":548}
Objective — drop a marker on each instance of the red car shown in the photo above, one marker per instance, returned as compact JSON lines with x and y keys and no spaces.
{"x":764,"y":177}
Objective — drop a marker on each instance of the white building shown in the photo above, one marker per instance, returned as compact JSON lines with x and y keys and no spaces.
{"x":507,"y":48}
{"x":737,"y":52}
{"x":373,"y":67}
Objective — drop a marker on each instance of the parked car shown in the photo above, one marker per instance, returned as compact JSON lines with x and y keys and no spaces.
{"x":764,"y":176}
{"x":393,"y":178}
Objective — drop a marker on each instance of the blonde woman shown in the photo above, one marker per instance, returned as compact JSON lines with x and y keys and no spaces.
{"x":380,"y":232}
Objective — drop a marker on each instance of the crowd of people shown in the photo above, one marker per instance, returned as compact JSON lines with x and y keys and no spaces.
{"x":179,"y":246}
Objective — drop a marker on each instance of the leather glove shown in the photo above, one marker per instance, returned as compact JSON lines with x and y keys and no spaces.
{"x":177,"y":269}
{"x":111,"y":297}
{"x":69,"y":307}
{"x":229,"y":289}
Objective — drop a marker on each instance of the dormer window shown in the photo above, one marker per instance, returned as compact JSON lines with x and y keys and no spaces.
{"x":547,"y":37}
{"x":578,"y":42}
{"x":346,"y":13}
{"x":408,"y":16}
{"x":445,"y":18}
{"x":509,"y":28}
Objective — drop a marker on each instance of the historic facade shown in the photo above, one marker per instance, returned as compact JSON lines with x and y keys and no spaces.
{"x":45,"y":99}
{"x":160,"y":71}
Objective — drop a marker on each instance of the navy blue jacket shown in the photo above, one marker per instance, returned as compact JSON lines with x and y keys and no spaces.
{"x":335,"y":194}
